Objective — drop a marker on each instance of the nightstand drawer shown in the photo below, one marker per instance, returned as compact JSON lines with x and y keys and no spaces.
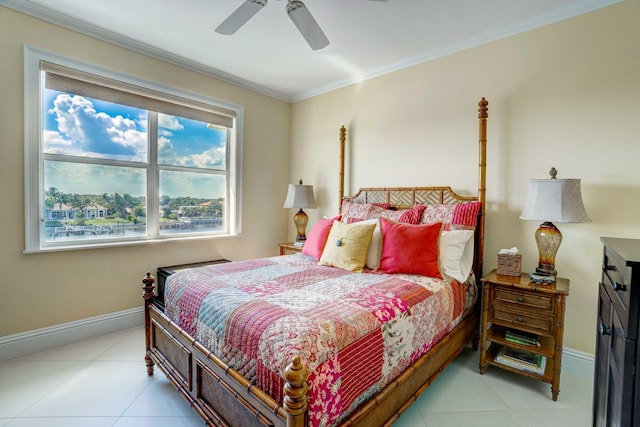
{"x":517,"y":319}
{"x":524,"y":298}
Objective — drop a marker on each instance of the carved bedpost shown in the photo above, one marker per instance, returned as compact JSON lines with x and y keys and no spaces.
{"x":343,"y":138}
{"x":483,"y":113}
{"x":148,"y":294}
{"x":295,"y":393}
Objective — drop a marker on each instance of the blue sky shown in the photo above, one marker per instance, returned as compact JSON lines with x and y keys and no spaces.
{"x":80,"y":126}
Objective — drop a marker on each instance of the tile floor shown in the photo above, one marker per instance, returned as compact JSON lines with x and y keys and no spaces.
{"x":103,"y":382}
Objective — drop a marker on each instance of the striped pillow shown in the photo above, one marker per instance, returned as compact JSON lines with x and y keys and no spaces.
{"x":466,"y":214}
{"x":454,"y":216}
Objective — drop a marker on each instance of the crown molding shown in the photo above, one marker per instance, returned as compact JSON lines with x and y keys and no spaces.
{"x":111,"y":37}
{"x":569,"y":11}
{"x":575,"y":9}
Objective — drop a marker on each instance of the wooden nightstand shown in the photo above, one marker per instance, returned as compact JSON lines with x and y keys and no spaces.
{"x":515,"y":305}
{"x":164,"y":272}
{"x":289,"y":248}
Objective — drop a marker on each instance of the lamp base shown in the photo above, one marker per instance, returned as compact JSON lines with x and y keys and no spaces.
{"x":545,"y":270}
{"x":548,"y":239}
{"x":542,"y":279}
{"x":301,"y":219}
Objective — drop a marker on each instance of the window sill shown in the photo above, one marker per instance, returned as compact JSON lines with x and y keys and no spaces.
{"x":127,"y":243}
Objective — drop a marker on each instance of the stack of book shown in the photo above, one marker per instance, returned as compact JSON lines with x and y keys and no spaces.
{"x":520,"y":359}
{"x":523,"y":338}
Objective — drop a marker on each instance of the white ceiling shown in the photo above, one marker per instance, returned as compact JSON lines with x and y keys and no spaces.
{"x":368,"y":38}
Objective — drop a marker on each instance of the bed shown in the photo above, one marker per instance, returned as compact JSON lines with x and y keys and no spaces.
{"x":260,"y":354}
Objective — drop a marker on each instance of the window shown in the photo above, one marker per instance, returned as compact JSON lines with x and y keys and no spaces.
{"x":112,"y":160}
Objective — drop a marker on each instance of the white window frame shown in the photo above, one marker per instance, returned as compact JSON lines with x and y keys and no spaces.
{"x":34,"y":162}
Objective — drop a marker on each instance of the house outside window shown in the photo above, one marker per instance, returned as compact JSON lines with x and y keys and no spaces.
{"x":113,"y":160}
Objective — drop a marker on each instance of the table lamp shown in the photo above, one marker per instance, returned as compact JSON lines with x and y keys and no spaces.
{"x":300,"y":196}
{"x":552,"y":200}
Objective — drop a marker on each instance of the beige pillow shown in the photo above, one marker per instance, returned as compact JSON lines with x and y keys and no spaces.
{"x":347,"y":245}
{"x":375,"y":247}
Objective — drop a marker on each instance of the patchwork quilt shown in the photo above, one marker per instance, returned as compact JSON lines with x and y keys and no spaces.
{"x":356,"y":332}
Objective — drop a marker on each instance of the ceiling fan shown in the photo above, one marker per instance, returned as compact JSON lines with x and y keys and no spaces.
{"x":296,"y":10}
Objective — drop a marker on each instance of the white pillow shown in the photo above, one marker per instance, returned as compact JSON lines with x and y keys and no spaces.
{"x":375,"y":247}
{"x":456,"y":253}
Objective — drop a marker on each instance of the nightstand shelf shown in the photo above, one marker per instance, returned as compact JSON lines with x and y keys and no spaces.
{"x":492,"y":353}
{"x":517,"y":305}
{"x":496,"y":333}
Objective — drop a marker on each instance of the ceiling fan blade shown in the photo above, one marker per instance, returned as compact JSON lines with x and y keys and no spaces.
{"x":307,"y":25}
{"x":240,"y":16}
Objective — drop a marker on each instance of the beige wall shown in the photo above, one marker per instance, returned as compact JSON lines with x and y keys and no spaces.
{"x":40,"y":290}
{"x":566,"y":95}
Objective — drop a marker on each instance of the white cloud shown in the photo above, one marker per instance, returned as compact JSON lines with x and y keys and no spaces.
{"x":54,"y":138}
{"x":94,"y":179}
{"x":175,"y":184}
{"x":169,"y":122}
{"x":213,"y":157}
{"x":82,"y":130}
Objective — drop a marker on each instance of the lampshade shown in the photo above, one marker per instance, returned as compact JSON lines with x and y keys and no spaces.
{"x":555,"y":200}
{"x":552,"y":200}
{"x":300,"y":196}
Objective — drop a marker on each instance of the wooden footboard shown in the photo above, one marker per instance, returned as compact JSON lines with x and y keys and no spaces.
{"x":216,"y":391}
{"x":223,"y":397}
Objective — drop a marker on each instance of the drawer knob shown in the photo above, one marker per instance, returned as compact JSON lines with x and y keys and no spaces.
{"x":604,"y":329}
{"x":519,"y":319}
{"x":520,"y":298}
{"x":619,"y":287}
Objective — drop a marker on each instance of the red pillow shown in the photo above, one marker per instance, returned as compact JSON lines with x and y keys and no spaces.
{"x":314,"y":245}
{"x":466,"y":214}
{"x":410,"y":248}
{"x":414,"y":215}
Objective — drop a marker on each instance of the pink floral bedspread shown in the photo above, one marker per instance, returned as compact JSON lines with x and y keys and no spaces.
{"x":356,"y":332}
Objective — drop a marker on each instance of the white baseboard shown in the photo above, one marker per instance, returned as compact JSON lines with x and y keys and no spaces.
{"x":573,"y":361}
{"x":578,"y":363}
{"x":25,"y":343}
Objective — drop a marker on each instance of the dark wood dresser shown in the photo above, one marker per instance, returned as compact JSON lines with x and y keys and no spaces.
{"x":616,"y":390}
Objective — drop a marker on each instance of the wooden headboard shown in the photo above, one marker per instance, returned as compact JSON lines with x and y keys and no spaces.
{"x":405,"y":197}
